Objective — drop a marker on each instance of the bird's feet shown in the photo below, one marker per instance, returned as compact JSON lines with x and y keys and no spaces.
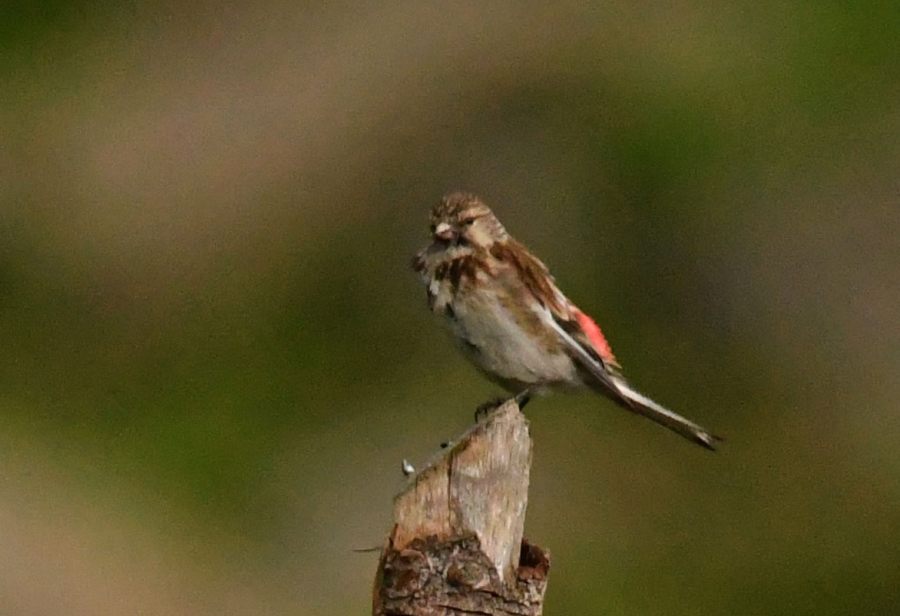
{"x":486,"y":408}
{"x":521,"y":399}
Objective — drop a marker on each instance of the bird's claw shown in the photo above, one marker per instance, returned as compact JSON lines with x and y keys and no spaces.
{"x":522,"y":398}
{"x":483,"y":410}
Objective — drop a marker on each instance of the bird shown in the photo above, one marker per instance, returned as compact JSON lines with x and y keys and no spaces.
{"x":510,"y":319}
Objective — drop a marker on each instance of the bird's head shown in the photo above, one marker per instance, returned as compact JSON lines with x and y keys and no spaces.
{"x":463,"y":220}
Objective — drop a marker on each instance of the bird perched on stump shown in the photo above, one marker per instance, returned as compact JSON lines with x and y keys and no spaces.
{"x":512,"y":321}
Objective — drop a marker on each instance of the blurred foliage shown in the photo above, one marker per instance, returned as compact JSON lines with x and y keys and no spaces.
{"x":216,"y":354}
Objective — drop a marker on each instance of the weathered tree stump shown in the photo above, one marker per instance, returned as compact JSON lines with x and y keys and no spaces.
{"x":456,"y":547}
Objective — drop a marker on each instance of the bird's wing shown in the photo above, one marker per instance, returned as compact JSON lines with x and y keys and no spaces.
{"x":577,"y":331}
{"x":587,"y":345}
{"x":588,"y":334}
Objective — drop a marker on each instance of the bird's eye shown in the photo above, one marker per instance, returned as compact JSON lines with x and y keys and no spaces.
{"x":432,"y":227}
{"x":468,"y":222}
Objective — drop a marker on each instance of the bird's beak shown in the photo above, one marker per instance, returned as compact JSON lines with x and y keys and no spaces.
{"x":444,"y":232}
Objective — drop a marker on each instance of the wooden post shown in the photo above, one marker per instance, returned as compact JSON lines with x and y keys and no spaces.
{"x":456,"y":547}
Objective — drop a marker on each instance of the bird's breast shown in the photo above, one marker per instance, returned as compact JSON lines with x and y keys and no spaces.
{"x":499,"y":331}
{"x":447,"y":278}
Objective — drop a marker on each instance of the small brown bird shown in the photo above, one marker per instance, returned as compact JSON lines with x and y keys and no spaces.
{"x":511,"y":320}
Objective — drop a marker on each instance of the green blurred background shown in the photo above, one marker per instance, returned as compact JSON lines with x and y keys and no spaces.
{"x":215,"y":354}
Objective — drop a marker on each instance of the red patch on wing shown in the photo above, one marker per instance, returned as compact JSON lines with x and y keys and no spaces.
{"x":593,"y":333}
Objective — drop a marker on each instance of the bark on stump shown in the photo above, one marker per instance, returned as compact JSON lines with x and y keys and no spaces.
{"x":456,"y":547}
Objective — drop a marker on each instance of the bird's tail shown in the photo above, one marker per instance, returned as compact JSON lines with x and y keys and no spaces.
{"x":673,"y":421}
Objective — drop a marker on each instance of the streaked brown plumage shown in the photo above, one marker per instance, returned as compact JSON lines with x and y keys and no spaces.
{"x":512,"y":321}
